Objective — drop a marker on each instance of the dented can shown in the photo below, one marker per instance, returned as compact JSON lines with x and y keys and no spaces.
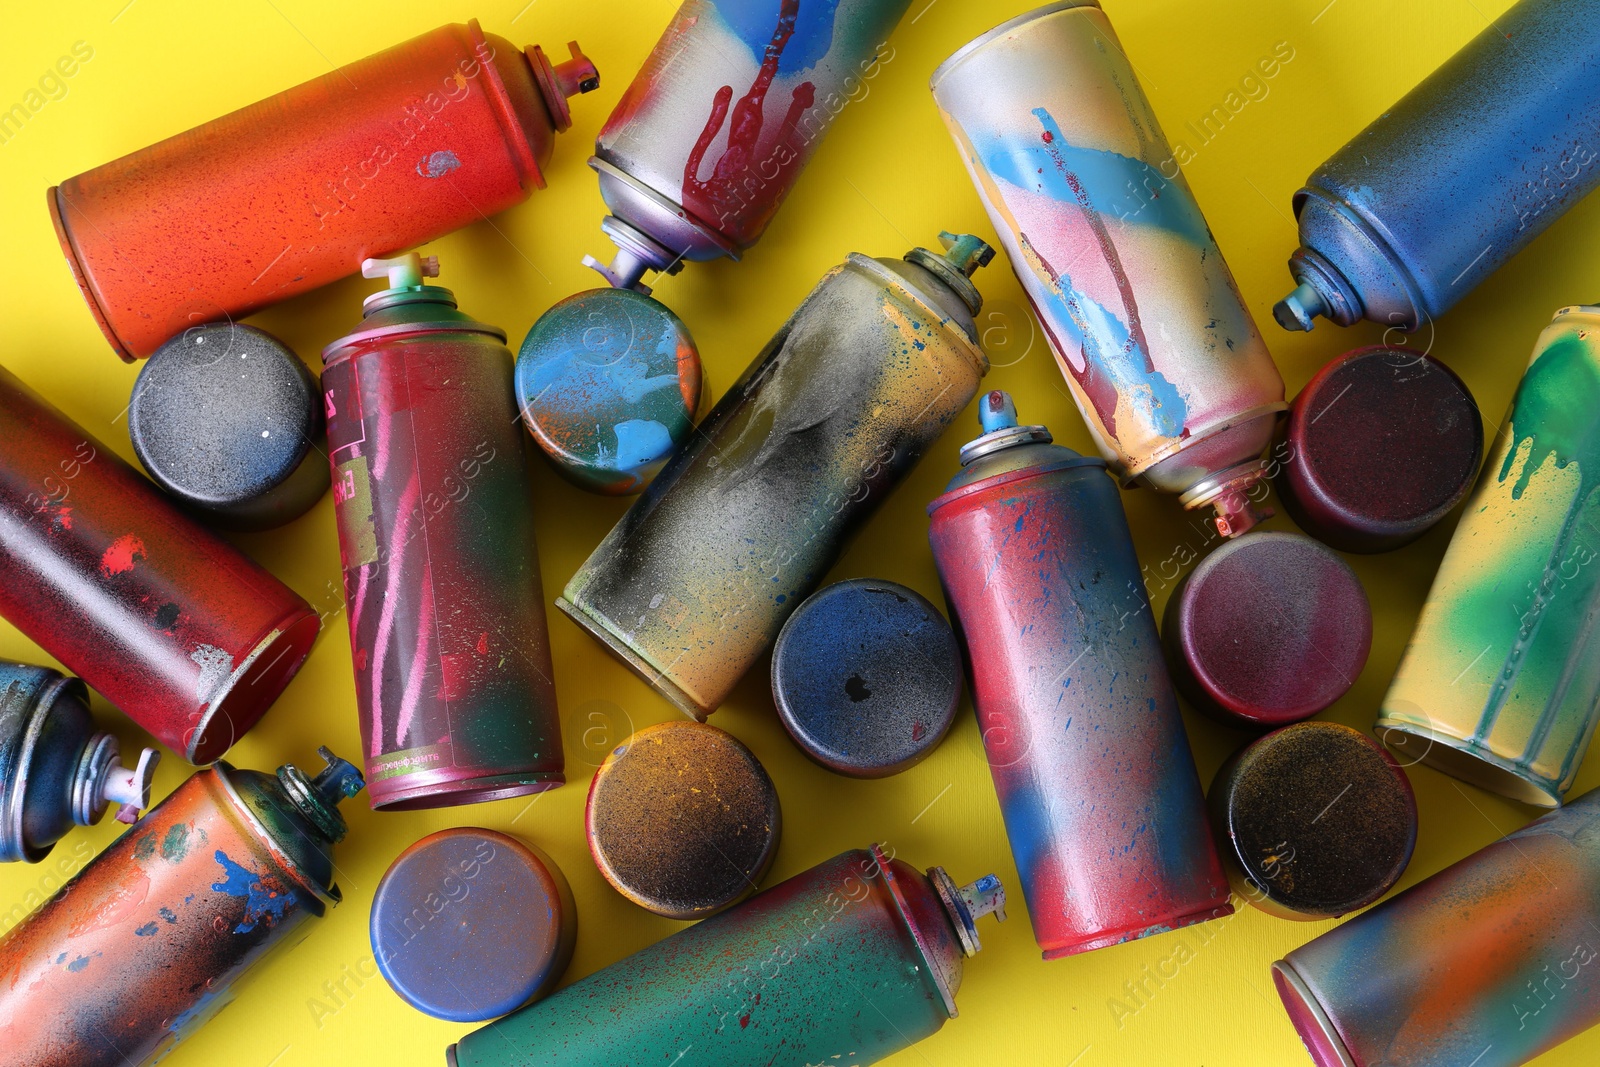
{"x":1500,"y":685}
{"x":148,"y":941}
{"x":174,"y":626}
{"x":56,"y":769}
{"x":1159,"y":350}
{"x":1455,"y":178}
{"x":367,"y":160}
{"x":1488,"y":963}
{"x":1098,"y":789}
{"x":695,"y":581}
{"x":448,"y":635}
{"x":713,"y":132}
{"x":848,"y":962}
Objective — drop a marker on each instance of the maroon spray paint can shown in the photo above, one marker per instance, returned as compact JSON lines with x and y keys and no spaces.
{"x":174,"y":626}
{"x":430,"y":485}
{"x":291,"y":193}
{"x":150,"y":939}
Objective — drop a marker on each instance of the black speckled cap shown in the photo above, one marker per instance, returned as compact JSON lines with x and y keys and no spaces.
{"x":225,"y":418}
{"x":1313,"y":820}
{"x":867,"y":677}
{"x":682,"y":820}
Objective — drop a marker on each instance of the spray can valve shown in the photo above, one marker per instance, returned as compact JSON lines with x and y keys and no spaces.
{"x":999,"y":411}
{"x":130,"y":789}
{"x":102,"y":780}
{"x":968,"y":903}
{"x":966,"y":252}
{"x":403,"y":272}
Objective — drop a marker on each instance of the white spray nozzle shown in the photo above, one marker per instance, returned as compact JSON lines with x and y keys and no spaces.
{"x":403,"y":272}
{"x":131,"y":788}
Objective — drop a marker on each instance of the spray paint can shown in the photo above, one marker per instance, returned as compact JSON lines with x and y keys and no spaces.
{"x":1490,"y":962}
{"x":850,"y":961}
{"x":454,"y":682}
{"x":1500,"y":685}
{"x":1161,"y":354}
{"x":56,"y":769}
{"x":146,"y":943}
{"x":1455,"y":178}
{"x":1098,"y":789}
{"x":372,"y":158}
{"x":174,"y":626}
{"x":696,"y":580}
{"x":714,"y":131}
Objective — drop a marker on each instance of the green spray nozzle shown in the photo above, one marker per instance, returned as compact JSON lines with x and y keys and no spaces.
{"x":966,"y":252}
{"x":403,"y":272}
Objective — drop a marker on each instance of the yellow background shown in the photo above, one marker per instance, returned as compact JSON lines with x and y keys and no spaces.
{"x":887,"y":178}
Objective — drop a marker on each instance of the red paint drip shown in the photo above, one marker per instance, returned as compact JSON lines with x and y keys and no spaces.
{"x":717,"y":199}
{"x":123,"y":553}
{"x":483,"y":644}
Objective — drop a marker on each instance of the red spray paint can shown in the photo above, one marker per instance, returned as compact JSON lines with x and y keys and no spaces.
{"x":288,"y":194}
{"x":430,"y":486}
{"x":190,"y":639}
{"x":146,"y":944}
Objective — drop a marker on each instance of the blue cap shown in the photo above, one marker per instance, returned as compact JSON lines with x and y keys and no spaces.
{"x":867,"y":677}
{"x":470,"y":925}
{"x":608,"y":382}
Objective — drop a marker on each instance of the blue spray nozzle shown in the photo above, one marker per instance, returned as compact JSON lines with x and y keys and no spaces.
{"x":997,"y":412}
{"x":337,"y":781}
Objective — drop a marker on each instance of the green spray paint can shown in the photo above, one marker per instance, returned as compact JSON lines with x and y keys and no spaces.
{"x":846,"y":963}
{"x":1500,"y":685}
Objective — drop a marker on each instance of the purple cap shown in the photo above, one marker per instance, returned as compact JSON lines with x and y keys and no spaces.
{"x":470,"y":924}
{"x":1267,"y":630}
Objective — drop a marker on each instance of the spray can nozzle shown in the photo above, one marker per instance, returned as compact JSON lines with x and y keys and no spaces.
{"x":965,"y":252}
{"x":968,"y":903}
{"x":403,"y":272}
{"x":103,"y":780}
{"x":318,"y":798}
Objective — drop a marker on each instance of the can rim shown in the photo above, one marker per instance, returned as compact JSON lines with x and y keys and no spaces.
{"x":903,"y":907}
{"x":1022,"y":474}
{"x":882,"y":274}
{"x":961,"y":54}
{"x":222,"y":770}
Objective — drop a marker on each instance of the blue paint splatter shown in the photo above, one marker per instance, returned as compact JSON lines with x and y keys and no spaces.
{"x":438,"y":164}
{"x":166,"y":913}
{"x":754,"y":23}
{"x":78,"y":964}
{"x":641,"y":442}
{"x":262,"y":902}
{"x":147,"y":930}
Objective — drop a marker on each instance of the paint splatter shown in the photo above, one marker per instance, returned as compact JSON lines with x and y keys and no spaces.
{"x":147,"y":930}
{"x":167,"y":616}
{"x":175,"y":845}
{"x":121,"y":556}
{"x":266,"y":902}
{"x":721,"y":197}
{"x":438,"y":164}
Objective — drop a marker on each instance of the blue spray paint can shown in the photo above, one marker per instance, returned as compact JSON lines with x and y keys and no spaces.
{"x":1452,"y":181}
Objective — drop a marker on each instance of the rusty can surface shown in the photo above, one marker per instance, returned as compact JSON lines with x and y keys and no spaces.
{"x":1490,"y":962}
{"x":1098,"y":789}
{"x":871,"y":953}
{"x":696,"y":580}
{"x":56,"y":769}
{"x":454,"y":682}
{"x":146,"y":943}
{"x":1500,"y":684}
{"x":1159,"y":350}
{"x":713,"y":132}
{"x":368,"y":160}
{"x":174,"y":626}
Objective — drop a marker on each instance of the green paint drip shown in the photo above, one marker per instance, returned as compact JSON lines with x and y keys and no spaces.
{"x":1557,"y":408}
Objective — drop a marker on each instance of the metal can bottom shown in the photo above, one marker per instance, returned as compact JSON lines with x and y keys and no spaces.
{"x":1317,"y":1032}
{"x":450,"y":793}
{"x":1134,"y":933}
{"x":258,"y":681}
{"x":1465,"y":759}
{"x":635,"y":661}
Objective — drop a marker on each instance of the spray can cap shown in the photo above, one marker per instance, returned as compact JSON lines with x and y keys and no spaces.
{"x":403,"y":272}
{"x":997,"y":414}
{"x":963,"y":255}
{"x":102,"y":780}
{"x":558,"y":81}
{"x":968,"y":903}
{"x":318,"y":798}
